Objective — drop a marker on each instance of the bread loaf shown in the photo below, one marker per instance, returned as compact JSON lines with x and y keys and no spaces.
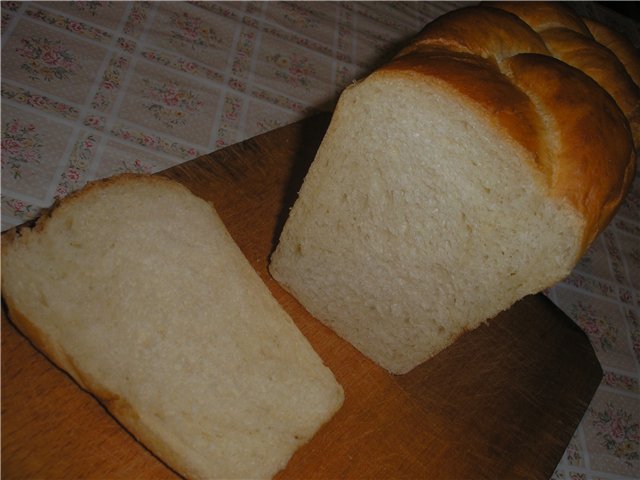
{"x":473,"y":169}
{"x":135,"y":288}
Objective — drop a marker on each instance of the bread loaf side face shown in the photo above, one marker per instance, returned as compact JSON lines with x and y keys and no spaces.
{"x":465,"y":174}
{"x":137,"y":290}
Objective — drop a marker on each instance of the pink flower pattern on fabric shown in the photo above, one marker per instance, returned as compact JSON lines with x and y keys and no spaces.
{"x":46,"y":59}
{"x":601,"y":333}
{"x":137,"y":166}
{"x":72,"y":177}
{"x":93,"y":7}
{"x":169,"y":102}
{"x":19,"y":208}
{"x":136,"y":18}
{"x":21,"y":145}
{"x":68,"y":24}
{"x":39,"y":102}
{"x":299,"y":16}
{"x":293,"y":68}
{"x":619,"y":433}
{"x":191,"y":30}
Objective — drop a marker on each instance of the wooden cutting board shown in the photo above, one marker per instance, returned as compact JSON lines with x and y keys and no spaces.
{"x":502,"y":402}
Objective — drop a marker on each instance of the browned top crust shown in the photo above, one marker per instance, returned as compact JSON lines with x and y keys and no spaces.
{"x":601,"y":64}
{"x":592,"y":157}
{"x":597,"y":61}
{"x":487,"y":32}
{"x":544,"y":15}
{"x":551,"y":86}
{"x":619,"y":45}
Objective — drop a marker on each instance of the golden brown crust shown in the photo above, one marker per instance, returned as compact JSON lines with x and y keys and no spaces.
{"x":544,"y":15}
{"x":620,"y":46}
{"x":598,"y":62}
{"x":487,"y":32}
{"x":593,"y":158}
{"x":604,"y":55}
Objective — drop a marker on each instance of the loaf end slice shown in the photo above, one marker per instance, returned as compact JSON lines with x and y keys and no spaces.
{"x":136,"y":289}
{"x":420,"y":218}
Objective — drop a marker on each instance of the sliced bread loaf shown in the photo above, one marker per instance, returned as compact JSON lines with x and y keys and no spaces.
{"x":472,"y":170}
{"x":135,"y":288}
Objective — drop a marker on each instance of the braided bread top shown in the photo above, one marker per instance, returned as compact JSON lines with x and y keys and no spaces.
{"x":619,"y":45}
{"x":607,"y":57}
{"x":554,"y":89}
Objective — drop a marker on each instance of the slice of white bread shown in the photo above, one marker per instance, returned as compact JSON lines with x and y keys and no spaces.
{"x":136,"y":289}
{"x":472,"y":170}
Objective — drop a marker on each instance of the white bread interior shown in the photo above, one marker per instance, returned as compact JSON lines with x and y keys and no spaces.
{"x":419,"y":220}
{"x":135,"y":288}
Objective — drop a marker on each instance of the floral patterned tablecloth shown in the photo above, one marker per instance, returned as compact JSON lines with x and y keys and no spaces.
{"x":91,"y":89}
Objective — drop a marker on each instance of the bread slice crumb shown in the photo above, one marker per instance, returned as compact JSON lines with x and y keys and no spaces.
{"x":136,"y":289}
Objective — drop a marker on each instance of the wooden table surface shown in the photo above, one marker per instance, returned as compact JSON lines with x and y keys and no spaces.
{"x":502,"y":402}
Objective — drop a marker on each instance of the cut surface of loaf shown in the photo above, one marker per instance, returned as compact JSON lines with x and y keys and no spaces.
{"x":136,"y":289}
{"x":453,"y":181}
{"x":423,"y":226}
